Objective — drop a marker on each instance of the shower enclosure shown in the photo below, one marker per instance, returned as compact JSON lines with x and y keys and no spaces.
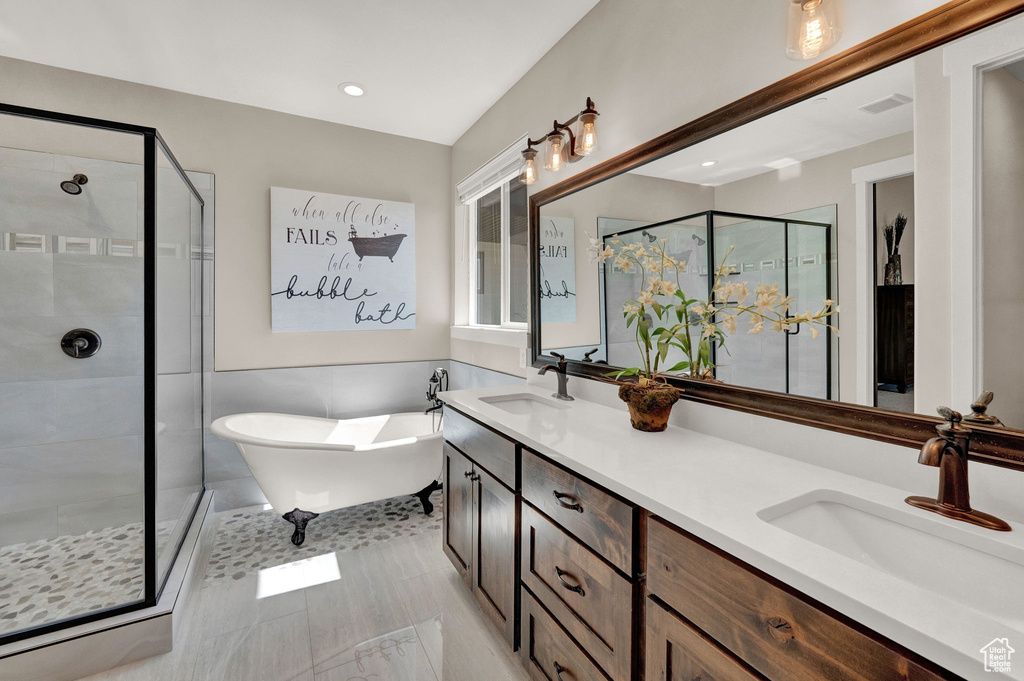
{"x":794,"y":254}
{"x":104,"y":294}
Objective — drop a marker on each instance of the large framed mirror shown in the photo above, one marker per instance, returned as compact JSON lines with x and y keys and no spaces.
{"x":886,"y":179}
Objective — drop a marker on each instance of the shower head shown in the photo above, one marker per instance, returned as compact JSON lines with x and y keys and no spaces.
{"x":700,"y":242}
{"x":74,"y":185}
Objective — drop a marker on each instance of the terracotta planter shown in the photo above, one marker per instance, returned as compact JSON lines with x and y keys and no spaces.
{"x":649,"y":408}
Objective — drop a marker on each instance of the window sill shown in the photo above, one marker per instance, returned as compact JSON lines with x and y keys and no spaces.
{"x":495,"y":335}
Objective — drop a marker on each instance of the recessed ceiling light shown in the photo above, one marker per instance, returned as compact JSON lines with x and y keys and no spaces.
{"x":708,"y":164}
{"x":352,"y":89}
{"x":820,"y":100}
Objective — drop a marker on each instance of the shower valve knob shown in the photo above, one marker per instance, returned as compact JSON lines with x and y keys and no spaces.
{"x":80,"y":343}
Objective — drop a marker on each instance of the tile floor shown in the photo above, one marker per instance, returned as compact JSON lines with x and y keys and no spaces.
{"x":395,"y":610}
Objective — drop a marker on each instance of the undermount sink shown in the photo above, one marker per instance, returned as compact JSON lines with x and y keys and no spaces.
{"x":962,"y":565}
{"x":524,"y":403}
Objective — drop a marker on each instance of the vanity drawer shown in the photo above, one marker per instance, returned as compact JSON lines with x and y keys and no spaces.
{"x":598,"y":519}
{"x":780,"y":634}
{"x":488,"y":448}
{"x":678,"y":652}
{"x":586,"y":595}
{"x":547,"y":652}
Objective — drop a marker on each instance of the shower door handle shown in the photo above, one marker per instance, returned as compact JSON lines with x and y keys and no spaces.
{"x":80,"y":343}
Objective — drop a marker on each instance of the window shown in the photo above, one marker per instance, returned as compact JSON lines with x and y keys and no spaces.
{"x":499,"y":266}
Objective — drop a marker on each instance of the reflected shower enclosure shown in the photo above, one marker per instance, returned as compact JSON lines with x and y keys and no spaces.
{"x":794,"y":254}
{"x":104,"y":294}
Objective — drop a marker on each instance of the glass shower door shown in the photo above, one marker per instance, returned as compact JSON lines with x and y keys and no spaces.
{"x":809,"y":283}
{"x":755,"y":250}
{"x":72,"y":506}
{"x":101,"y":359}
{"x":795,"y":256}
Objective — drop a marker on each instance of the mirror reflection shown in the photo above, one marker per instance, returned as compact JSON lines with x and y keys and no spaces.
{"x":835,"y":198}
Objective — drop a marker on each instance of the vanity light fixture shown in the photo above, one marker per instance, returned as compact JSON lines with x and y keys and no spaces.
{"x":558,"y":151}
{"x":812,"y":27}
{"x":352,"y":89}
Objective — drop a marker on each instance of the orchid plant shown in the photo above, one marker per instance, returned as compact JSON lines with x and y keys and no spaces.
{"x":664,"y":316}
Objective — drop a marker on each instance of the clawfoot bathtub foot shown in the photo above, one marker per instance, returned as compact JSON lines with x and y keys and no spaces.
{"x":300,"y":519}
{"x":424,"y":496}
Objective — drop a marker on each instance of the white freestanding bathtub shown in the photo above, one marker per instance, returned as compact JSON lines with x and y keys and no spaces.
{"x":307,"y":465}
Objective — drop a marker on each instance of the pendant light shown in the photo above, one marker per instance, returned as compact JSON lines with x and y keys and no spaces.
{"x":812,"y":27}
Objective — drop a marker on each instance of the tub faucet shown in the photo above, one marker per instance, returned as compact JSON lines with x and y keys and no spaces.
{"x":438,"y":381}
{"x":563,"y":378}
{"x":948,"y":452}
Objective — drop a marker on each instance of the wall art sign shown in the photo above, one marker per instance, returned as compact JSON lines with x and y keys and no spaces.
{"x":341,"y":263}
{"x":557,"y":270}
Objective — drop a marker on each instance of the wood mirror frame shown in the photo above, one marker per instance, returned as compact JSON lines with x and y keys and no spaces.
{"x":993,"y":445}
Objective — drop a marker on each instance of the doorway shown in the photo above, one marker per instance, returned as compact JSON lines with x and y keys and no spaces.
{"x":893,"y":220}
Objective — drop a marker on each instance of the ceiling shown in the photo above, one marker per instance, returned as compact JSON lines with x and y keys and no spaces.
{"x":430,"y":68}
{"x":804,"y":131}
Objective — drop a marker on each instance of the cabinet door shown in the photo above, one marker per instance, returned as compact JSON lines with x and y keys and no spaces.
{"x":494,"y":564}
{"x":678,"y":652}
{"x":458,"y":510}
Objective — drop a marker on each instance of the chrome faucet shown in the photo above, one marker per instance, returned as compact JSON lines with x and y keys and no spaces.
{"x":563,"y":378}
{"x":948,"y":452}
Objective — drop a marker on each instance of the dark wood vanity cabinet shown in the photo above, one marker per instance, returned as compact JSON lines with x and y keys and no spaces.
{"x":458,"y":510}
{"x":481,"y":517}
{"x":678,"y":652}
{"x":580,"y":588}
{"x":732,"y":612}
{"x":590,"y":587}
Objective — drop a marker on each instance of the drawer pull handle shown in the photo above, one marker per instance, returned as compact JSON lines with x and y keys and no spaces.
{"x":560,"y":573}
{"x":558,"y":671}
{"x":572,"y":505}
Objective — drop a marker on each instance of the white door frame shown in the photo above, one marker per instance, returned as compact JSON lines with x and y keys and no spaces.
{"x":964,"y":63}
{"x":865,"y":178}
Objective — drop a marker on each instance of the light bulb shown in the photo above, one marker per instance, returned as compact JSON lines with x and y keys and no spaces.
{"x":554,"y":156}
{"x":586,"y":133}
{"x":813,"y":27}
{"x":528,"y":174}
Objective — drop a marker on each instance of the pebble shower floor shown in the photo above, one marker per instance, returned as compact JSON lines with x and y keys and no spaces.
{"x":54,"y":579}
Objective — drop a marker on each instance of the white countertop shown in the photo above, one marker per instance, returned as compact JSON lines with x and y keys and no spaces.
{"x":715,"y":488}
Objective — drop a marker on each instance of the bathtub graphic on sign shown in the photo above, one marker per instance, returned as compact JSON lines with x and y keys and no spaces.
{"x":384,"y":246}
{"x":341,"y":263}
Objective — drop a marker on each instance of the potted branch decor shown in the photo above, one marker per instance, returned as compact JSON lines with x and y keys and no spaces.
{"x":665,"y":318}
{"x":893,"y":233}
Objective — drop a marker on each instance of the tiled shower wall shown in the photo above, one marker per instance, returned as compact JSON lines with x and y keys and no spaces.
{"x":71,"y":430}
{"x":346,"y":391}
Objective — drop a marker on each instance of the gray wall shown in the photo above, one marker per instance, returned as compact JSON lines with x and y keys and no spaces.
{"x":344,"y":391}
{"x":1003,"y":239}
{"x":70,"y":430}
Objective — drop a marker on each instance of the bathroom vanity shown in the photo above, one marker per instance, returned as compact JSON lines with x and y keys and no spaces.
{"x":606,"y":553}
